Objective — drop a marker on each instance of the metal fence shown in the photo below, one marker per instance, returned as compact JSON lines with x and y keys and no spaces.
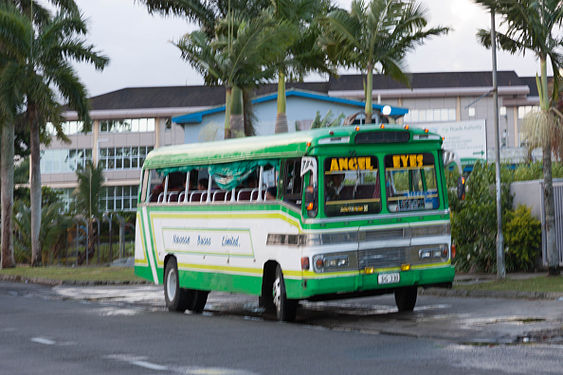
{"x":558,"y":200}
{"x":530,"y":193}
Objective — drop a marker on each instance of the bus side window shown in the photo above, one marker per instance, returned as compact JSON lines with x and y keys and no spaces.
{"x":292,"y":183}
{"x":156,"y":186}
{"x":144,"y":186}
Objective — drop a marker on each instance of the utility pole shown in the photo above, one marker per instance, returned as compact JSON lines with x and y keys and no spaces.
{"x":501,"y":270}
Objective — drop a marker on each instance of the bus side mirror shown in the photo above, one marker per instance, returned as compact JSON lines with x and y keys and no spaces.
{"x":461,"y":188}
{"x":311,"y":200}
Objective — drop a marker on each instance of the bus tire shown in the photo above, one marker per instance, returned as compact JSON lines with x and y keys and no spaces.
{"x":405,"y":298}
{"x":286,"y":309}
{"x":177,"y":299}
{"x":197,"y":300}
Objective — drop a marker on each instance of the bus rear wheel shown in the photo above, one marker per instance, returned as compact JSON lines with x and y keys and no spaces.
{"x":177,"y":299}
{"x":196,"y":300}
{"x":286,"y":309}
{"x":405,"y":298}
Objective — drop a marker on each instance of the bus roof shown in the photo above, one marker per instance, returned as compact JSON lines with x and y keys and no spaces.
{"x":285,"y":145}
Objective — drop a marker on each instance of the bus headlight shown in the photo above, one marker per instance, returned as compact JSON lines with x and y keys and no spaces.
{"x":331,"y":263}
{"x":433,"y":253}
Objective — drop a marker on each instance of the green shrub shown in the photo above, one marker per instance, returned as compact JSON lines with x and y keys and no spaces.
{"x":522,"y":240}
{"x":474,"y":220}
{"x":534,"y":171}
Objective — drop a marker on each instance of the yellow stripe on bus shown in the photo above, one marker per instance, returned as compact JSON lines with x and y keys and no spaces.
{"x":220,"y":215}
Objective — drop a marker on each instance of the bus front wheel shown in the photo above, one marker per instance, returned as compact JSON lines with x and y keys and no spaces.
{"x":177,"y":299}
{"x":405,"y":298}
{"x":286,"y":309}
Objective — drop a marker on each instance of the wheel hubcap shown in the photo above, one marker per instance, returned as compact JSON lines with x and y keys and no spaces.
{"x":171,"y":285}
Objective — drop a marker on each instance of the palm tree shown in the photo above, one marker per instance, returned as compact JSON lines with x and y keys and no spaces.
{"x":87,"y":197}
{"x":376,"y":36}
{"x":304,"y":55}
{"x":239,"y":56}
{"x":36,"y":72}
{"x":535,"y":26}
{"x":206,"y":13}
{"x":53,"y":233}
{"x":7,"y":192}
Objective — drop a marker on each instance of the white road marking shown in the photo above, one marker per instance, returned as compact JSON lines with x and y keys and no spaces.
{"x":149,"y":365}
{"x":43,"y":340}
{"x":141,"y":361}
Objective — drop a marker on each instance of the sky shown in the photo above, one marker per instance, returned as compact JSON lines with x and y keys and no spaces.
{"x":141,"y":52}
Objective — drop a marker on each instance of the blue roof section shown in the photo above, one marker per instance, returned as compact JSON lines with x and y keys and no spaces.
{"x":197,"y":117}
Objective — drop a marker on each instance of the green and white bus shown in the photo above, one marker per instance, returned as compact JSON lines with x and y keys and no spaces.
{"x":314,"y":215}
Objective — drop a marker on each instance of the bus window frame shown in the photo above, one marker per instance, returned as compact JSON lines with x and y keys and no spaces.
{"x":437,"y":176}
{"x":322,"y":183}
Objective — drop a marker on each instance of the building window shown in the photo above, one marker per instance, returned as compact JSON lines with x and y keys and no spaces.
{"x":65,"y":196}
{"x":70,"y":128}
{"x":119,"y":198}
{"x":136,"y":125}
{"x":71,"y":160}
{"x":525,"y":109}
{"x":124,"y":157}
{"x":434,"y":115}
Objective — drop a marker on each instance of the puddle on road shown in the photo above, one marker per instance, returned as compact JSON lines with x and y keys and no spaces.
{"x":544,"y":337}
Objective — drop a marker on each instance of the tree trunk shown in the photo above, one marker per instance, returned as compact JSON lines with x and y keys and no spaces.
{"x":369,"y":89}
{"x":549,"y":201}
{"x":237,"y":117}
{"x":7,"y":194}
{"x":227,"y":112}
{"x":35,"y":188}
{"x":549,"y":204}
{"x":281,"y":118}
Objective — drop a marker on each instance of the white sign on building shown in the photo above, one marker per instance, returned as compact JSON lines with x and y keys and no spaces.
{"x":468,"y":139}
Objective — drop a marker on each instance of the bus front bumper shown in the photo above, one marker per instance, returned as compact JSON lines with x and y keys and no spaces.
{"x":341,"y":285}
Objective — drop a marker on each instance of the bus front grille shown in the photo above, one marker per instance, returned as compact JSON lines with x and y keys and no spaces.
{"x":382,"y":258}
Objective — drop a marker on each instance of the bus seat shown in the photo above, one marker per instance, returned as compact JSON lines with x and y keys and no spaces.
{"x":365,"y":191}
{"x":347,"y":192}
{"x":181,"y":197}
{"x":254,"y":195}
{"x":244,"y":194}
{"x":219,"y":195}
{"x":195,"y":196}
{"x":172,"y":196}
{"x":160,"y":198}
{"x":228,"y":195}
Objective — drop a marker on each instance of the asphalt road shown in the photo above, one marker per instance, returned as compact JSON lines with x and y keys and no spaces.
{"x":47,"y":331}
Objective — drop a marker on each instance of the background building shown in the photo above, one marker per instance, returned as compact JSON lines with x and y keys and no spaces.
{"x":128,"y":123}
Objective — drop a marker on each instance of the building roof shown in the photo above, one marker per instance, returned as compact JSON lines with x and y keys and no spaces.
{"x":531,"y":82}
{"x":197,"y":117}
{"x":427,"y":80}
{"x":183,"y":97}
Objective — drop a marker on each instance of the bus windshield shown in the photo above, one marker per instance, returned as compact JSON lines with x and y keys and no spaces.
{"x":410,"y":182}
{"x":351,"y":186}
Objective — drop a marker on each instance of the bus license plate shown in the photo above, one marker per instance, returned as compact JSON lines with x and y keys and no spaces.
{"x":388,"y":278}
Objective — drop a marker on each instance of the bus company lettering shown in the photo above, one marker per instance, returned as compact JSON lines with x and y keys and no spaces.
{"x":362,"y":163}
{"x":181,"y":240}
{"x":231,"y":241}
{"x":203,"y":241}
{"x":405,"y":161}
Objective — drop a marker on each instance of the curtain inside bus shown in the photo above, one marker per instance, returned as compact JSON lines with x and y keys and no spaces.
{"x":226,"y":176}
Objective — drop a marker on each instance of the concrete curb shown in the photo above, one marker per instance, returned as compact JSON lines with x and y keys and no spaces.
{"x":510,"y":294}
{"x":49,"y":282}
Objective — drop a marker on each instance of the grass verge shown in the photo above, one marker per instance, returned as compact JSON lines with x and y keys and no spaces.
{"x":113,"y":274}
{"x":540,"y":284}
